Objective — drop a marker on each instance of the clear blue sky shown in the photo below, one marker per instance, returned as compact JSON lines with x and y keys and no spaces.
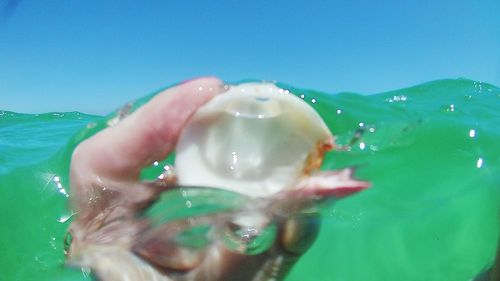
{"x":93,"y":56}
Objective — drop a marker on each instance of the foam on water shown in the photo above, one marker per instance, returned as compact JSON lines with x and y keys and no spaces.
{"x":431,"y":152}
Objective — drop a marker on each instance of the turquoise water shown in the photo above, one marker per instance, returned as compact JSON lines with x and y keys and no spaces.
{"x":431,"y":152}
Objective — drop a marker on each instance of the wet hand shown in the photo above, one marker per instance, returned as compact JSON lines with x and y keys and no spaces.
{"x":115,"y":156}
{"x":106,"y":195}
{"x":105,"y":173}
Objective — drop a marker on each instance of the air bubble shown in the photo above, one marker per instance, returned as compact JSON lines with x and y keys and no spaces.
{"x":472,"y":133}
{"x":479,"y":163}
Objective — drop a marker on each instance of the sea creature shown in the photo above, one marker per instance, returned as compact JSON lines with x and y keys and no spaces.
{"x":256,"y":141}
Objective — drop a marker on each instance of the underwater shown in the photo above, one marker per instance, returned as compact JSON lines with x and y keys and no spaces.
{"x":430,"y":152}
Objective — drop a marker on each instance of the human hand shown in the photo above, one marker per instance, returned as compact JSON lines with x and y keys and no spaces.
{"x":105,"y":171}
{"x":114,"y":157}
{"x":107,"y":196}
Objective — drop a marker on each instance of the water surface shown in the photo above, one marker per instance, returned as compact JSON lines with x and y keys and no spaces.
{"x":431,"y":152}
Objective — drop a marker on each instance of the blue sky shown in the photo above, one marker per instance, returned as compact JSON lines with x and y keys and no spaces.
{"x":93,"y":56}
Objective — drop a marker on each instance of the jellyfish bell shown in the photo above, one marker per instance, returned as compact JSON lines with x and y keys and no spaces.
{"x":256,"y":139}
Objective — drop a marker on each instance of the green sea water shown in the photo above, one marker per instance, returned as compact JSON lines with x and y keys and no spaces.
{"x":432,"y":153}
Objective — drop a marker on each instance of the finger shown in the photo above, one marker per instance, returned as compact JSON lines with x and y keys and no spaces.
{"x":120,"y":152}
{"x":337,"y":184}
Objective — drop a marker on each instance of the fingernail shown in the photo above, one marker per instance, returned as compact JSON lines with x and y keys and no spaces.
{"x":187,"y":81}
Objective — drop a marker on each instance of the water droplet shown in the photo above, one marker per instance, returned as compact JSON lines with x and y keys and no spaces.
{"x":302,"y":96}
{"x":59,"y":186}
{"x":479,"y":163}
{"x":52,"y":243}
{"x":450,"y":108}
{"x":249,"y":240}
{"x":362,"y":145}
{"x":397,"y":98}
{"x":168,"y":173}
{"x":478,"y":86}
{"x":64,"y":218}
{"x":313,"y":100}
{"x":235,"y":157}
{"x":472,"y":133}
{"x":339,"y":111}
{"x":155,"y":163}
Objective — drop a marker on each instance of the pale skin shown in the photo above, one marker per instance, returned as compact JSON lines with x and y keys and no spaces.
{"x":117,"y":154}
{"x":113,"y":158}
{"x":106,"y":196}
